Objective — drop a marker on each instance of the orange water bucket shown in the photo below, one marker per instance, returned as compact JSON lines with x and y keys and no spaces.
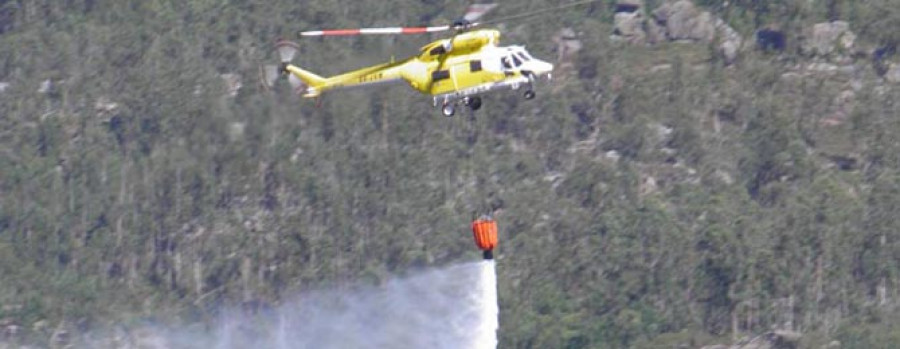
{"x":485,"y":232}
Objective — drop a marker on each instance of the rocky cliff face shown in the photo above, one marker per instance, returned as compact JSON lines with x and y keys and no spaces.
{"x":678,"y":21}
{"x":650,"y":190}
{"x":683,"y":21}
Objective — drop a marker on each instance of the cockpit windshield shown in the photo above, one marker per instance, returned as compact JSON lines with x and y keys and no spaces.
{"x":514,"y":58}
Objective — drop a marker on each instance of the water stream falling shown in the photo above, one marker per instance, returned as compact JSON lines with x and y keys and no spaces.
{"x":449,"y":307}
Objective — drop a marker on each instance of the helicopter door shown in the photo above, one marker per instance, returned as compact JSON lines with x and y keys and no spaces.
{"x":508,"y":65}
{"x":459,"y":71}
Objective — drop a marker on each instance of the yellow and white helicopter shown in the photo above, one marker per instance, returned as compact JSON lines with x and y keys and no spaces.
{"x":455,"y":70}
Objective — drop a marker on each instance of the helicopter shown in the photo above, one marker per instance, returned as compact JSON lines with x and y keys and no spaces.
{"x":456,"y":70}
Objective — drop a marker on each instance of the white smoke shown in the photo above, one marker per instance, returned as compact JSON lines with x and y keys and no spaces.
{"x":453,"y":307}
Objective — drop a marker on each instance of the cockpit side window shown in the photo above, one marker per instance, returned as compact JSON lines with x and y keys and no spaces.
{"x":517,"y":61}
{"x":523,"y":57}
{"x":438,"y":50}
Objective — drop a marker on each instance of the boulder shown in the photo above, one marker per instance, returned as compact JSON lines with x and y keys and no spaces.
{"x":675,"y":21}
{"x":628,"y":21}
{"x":679,"y":18}
{"x":824,"y":38}
{"x":630,"y":26}
{"x":819,"y":67}
{"x":656,"y":33}
{"x":612,"y":155}
{"x":105,"y":105}
{"x":232,"y":82}
{"x":648,"y":185}
{"x":703,"y":27}
{"x":9,"y":328}
{"x":843,"y":104}
{"x":730,"y":41}
{"x":893,"y":73}
{"x":683,"y":21}
{"x":567,"y":44}
{"x":729,"y":51}
{"x":45,"y":86}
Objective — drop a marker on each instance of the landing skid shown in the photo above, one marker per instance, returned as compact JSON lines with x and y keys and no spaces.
{"x":470,"y":97}
{"x":448,"y":108}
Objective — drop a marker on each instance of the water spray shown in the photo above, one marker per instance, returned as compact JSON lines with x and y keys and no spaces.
{"x":484,"y":230}
{"x":448,"y":307}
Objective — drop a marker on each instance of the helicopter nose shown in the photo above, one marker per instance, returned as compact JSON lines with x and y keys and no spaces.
{"x":540,"y":68}
{"x":546,"y":68}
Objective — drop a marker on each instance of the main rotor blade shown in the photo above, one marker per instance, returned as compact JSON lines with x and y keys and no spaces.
{"x":375,"y":31}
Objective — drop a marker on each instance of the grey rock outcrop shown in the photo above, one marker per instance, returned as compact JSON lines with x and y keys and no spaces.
{"x":628,"y":21}
{"x":232,"y":82}
{"x":656,"y":33}
{"x":683,"y":21}
{"x":630,"y":26}
{"x":45,"y":86}
{"x":841,"y":108}
{"x":832,"y":345}
{"x":825,"y":38}
{"x":893,"y":73}
{"x":731,"y":41}
{"x":567,"y":45}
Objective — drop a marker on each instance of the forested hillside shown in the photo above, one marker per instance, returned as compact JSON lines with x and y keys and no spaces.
{"x":656,"y":193}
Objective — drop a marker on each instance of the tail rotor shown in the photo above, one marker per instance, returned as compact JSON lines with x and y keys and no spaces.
{"x":287,"y":50}
{"x":270,"y":74}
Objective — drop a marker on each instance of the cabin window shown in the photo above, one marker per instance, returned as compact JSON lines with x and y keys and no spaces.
{"x":440,"y":75}
{"x":523,"y":56}
{"x":475,"y":66}
{"x":505,"y":62}
{"x":517,"y":61}
{"x":438,"y":50}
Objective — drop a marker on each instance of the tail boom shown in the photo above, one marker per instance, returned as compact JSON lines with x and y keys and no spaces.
{"x":374,"y":75}
{"x":314,"y":83}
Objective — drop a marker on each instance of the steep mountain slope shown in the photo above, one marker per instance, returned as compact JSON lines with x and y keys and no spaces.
{"x":651,"y":193}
